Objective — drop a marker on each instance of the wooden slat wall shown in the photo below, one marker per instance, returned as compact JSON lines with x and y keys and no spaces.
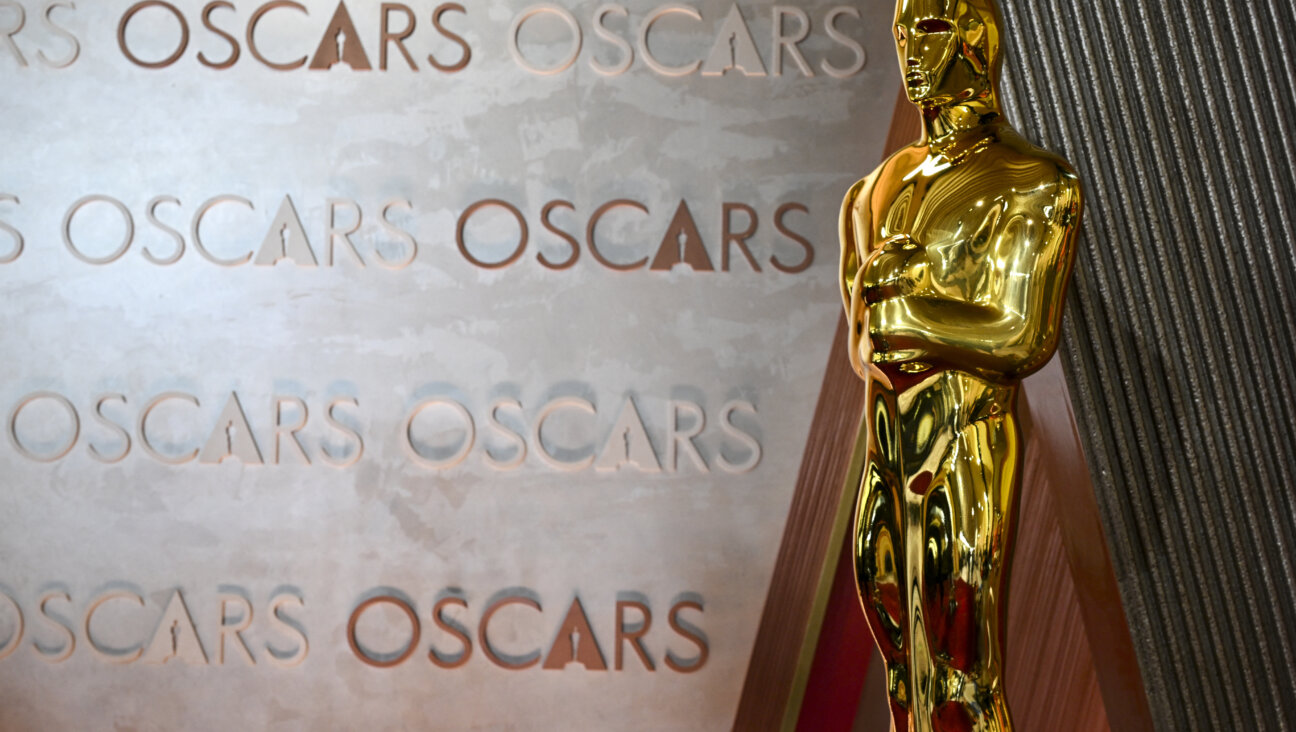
{"x":1057,"y":476}
{"x":1052,"y":682}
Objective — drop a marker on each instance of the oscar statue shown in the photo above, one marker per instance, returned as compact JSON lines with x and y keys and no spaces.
{"x":956,"y":253}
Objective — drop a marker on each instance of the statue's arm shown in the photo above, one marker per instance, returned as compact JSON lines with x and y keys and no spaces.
{"x":850,"y":225}
{"x":852,"y":231}
{"x":1010,"y":326}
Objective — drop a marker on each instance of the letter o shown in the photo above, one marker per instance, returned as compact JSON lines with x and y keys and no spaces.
{"x":355,"y":620}
{"x":13,"y":426}
{"x":516,"y":27}
{"x":116,"y":253}
{"x":184,"y":34}
{"x":463,"y":224}
{"x":16,"y":641}
{"x":470,"y":434}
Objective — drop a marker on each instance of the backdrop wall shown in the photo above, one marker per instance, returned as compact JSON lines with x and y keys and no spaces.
{"x":1181,"y":329}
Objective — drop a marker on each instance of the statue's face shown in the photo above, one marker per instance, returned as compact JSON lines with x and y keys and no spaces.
{"x":946,"y":49}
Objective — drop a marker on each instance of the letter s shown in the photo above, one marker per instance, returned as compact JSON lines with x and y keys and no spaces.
{"x":830,"y":25}
{"x":17,"y":235}
{"x":63,"y":33}
{"x":748,"y":441}
{"x":55,"y":655}
{"x":287,"y":626}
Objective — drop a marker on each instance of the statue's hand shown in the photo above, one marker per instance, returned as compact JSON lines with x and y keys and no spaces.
{"x":889,"y":343}
{"x":896,"y":268}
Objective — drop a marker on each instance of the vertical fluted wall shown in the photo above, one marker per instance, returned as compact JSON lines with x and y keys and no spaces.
{"x":1180,"y":340}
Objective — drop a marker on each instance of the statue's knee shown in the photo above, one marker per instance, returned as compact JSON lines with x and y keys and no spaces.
{"x":898,"y":683}
{"x":955,"y":623}
{"x":966,"y":700}
{"x":877,"y":540}
{"x":878,"y":574}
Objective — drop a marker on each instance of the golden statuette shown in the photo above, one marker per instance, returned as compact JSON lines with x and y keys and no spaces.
{"x":956,"y":254}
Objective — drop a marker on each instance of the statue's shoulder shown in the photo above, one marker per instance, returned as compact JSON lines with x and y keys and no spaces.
{"x":1032,"y":164}
{"x":906,"y":158}
{"x":1042,"y":181}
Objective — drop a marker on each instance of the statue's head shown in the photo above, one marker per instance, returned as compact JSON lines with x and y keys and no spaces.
{"x":948,"y":49}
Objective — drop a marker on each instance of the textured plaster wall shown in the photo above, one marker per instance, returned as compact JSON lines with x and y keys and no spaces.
{"x":389,"y":339}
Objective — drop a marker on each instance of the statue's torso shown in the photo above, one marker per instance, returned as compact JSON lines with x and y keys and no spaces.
{"x":961,"y":230}
{"x":957,"y":214}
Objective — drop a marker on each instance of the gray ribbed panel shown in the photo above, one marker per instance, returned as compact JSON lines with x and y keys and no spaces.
{"x":1180,"y":337}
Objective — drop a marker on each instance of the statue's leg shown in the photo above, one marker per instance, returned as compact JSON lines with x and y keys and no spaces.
{"x":879,"y":552}
{"x":879,"y":571}
{"x":968,"y":516}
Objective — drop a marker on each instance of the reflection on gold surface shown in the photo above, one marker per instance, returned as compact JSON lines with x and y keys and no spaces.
{"x":956,"y":254}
